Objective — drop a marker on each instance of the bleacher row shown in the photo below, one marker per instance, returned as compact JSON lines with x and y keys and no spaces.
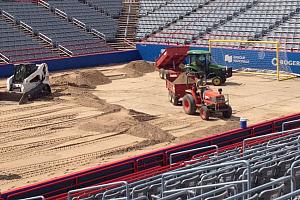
{"x":263,"y":168}
{"x":195,"y":22}
{"x":167,"y":14}
{"x":60,"y":32}
{"x":15,"y":45}
{"x":149,"y":6}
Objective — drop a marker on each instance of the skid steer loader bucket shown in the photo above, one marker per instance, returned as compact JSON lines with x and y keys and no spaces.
{"x":13,"y":98}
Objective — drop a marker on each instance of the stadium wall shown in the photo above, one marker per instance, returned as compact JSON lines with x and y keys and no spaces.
{"x":144,"y":164}
{"x":81,"y":61}
{"x":232,"y":57}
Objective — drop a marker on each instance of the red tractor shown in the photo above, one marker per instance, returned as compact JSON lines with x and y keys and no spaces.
{"x":182,"y":81}
{"x":206,"y":101}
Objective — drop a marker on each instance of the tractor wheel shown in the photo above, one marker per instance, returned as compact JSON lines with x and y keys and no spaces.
{"x":223,"y":80}
{"x":170,"y":97}
{"x":174,"y":100}
{"x":204,"y":113}
{"x":227,"y":114}
{"x":189,"y":105}
{"x":166,"y":72}
{"x":217,"y":81}
{"x":161,"y":73}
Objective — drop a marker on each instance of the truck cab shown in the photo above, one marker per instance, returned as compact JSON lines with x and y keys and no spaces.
{"x":198,"y":61}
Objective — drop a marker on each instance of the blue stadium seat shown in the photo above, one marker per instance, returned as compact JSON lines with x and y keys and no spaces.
{"x":58,"y":30}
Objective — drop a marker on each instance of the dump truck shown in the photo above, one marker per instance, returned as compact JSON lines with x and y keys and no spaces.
{"x":28,"y":82}
{"x":174,"y":60}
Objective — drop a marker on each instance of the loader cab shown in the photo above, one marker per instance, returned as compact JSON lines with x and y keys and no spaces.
{"x":22,"y":71}
{"x":199,"y":60}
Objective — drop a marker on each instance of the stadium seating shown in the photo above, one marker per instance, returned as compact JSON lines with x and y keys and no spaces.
{"x":17,"y":46}
{"x":88,"y":16}
{"x":255,"y":22}
{"x":58,"y":30}
{"x":202,"y":20}
{"x":166,"y":14}
{"x":182,"y":22}
{"x":148,"y":6}
{"x":287,"y":33}
{"x":112,"y":7}
{"x":271,"y":160}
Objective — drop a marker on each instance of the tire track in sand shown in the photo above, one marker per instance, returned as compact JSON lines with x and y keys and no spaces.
{"x":50,"y":146}
{"x":33,"y":170}
{"x":41,"y":129}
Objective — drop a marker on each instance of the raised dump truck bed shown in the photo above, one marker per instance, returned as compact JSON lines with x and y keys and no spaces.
{"x":169,"y":61}
{"x":172,"y":57}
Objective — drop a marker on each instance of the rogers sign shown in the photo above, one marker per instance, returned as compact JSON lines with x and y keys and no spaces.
{"x":286,"y":62}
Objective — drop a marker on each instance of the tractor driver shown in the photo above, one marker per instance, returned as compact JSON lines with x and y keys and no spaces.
{"x":201,"y":85}
{"x":198,"y":62}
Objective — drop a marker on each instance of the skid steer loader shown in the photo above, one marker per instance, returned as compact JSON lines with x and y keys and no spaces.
{"x":29,"y":81}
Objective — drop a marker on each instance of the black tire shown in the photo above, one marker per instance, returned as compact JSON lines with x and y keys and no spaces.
{"x":204,"y":113}
{"x":174,"y":100}
{"x":170,"y":97}
{"x":227,"y":114}
{"x":216,"y":81}
{"x":166,"y":72}
{"x":46,"y":90}
{"x":161,"y":73}
{"x":188,"y":104}
{"x":223,"y":80}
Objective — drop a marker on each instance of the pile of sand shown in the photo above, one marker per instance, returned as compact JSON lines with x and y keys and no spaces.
{"x":84,"y":97}
{"x":113,"y":122}
{"x":85,"y":79}
{"x":137,"y":68}
{"x":183,"y":78}
{"x":140,"y":116}
{"x":122,"y":122}
{"x":151,"y":132}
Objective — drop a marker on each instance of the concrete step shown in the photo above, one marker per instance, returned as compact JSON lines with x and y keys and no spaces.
{"x":129,"y":36}
{"x":130,"y":23}
{"x":129,"y":31}
{"x":133,"y":18}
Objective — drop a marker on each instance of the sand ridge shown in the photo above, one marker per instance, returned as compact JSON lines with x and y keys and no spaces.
{"x":137,"y":69}
{"x":86,"y":79}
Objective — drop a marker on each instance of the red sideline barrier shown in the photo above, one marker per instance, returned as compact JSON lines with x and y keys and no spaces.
{"x":129,"y":168}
